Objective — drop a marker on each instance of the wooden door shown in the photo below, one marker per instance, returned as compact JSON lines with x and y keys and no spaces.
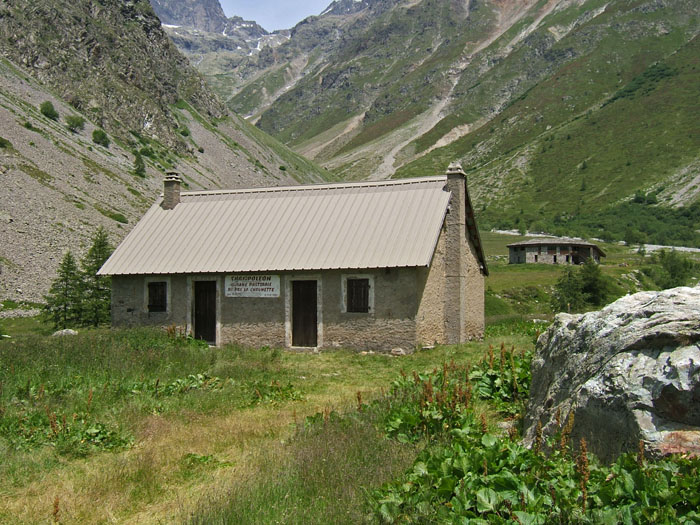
{"x":304,"y":320}
{"x":205,"y":311}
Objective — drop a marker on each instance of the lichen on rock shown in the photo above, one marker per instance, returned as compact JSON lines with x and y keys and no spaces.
{"x":628,"y":372}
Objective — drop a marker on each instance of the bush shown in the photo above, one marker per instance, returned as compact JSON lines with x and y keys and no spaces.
{"x":139,"y":165}
{"x":568,"y":292}
{"x":671,"y":269}
{"x":75,"y":123}
{"x":48,"y":110}
{"x":4,"y":143}
{"x":101,"y":138}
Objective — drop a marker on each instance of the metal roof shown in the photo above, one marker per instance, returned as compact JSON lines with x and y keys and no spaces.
{"x":315,"y":227}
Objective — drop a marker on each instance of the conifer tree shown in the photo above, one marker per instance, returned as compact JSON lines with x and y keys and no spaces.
{"x":568,"y":293}
{"x":139,"y":165}
{"x":64,"y":301}
{"x":97,"y":288}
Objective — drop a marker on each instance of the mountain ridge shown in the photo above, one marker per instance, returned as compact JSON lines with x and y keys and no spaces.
{"x":402,"y":88}
{"x":111,"y":69}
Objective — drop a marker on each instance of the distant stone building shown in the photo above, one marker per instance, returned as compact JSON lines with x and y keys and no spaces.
{"x":553,"y":251}
{"x":369,"y":265}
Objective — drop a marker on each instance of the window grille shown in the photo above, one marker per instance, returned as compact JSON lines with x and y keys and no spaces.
{"x":157,"y":296}
{"x":358,"y":295}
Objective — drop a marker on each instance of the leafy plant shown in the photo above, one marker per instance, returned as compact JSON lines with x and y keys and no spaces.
{"x":426,"y":405}
{"x":474,"y":476}
{"x":272,"y":392}
{"x":178,"y":386}
{"x":4,"y":143}
{"x":72,"y":435}
{"x":48,"y":110}
{"x":505,"y":380}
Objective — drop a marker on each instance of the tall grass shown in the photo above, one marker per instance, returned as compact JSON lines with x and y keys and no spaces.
{"x":73,"y":396}
{"x":319,"y":476}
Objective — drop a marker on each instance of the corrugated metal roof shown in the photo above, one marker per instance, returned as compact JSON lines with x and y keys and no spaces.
{"x":315,"y":227}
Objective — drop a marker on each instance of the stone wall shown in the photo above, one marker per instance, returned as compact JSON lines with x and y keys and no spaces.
{"x":256,"y":322}
{"x":430,"y":318}
{"x":562,"y":254}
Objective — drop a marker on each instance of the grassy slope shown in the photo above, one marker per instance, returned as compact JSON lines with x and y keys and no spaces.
{"x":560,"y":148}
{"x":186,"y":446}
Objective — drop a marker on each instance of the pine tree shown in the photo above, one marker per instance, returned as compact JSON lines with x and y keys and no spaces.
{"x":97,"y":288}
{"x":595,"y":285}
{"x":64,"y":301}
{"x":139,"y":165}
{"x":568,"y":293}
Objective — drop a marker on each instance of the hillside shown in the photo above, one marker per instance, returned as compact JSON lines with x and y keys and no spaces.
{"x":562,"y":110}
{"x":111,"y":65}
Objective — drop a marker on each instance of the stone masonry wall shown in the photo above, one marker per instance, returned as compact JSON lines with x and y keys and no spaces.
{"x":430,"y":319}
{"x":256,"y":322}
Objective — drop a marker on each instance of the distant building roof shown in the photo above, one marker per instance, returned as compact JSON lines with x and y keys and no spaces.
{"x":556,"y":241}
{"x":328,"y":226}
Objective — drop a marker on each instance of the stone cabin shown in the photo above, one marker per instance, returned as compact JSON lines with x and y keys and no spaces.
{"x":368,"y":265}
{"x":553,"y":251}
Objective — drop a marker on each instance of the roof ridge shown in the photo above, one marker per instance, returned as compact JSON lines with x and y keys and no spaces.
{"x":317,"y":187}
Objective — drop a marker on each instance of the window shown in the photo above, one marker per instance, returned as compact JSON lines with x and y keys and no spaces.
{"x":358,"y":295}
{"x":157,"y":296}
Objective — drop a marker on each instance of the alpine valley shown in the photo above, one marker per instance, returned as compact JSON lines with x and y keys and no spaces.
{"x":570,"y":116}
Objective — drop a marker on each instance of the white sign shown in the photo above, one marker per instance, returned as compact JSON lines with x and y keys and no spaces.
{"x":252,"y":286}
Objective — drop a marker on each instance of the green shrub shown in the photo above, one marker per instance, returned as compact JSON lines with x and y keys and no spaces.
{"x":669,"y":269}
{"x":101,"y":138}
{"x":139,"y":165}
{"x":587,"y":285}
{"x":48,"y":110}
{"x":468,"y":474}
{"x":4,"y":143}
{"x":75,"y":123}
{"x":184,"y":131}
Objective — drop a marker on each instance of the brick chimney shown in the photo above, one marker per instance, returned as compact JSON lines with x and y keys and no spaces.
{"x":455,"y":251}
{"x":171,"y":190}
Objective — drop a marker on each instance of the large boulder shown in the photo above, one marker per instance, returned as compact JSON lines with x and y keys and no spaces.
{"x":626,"y":373}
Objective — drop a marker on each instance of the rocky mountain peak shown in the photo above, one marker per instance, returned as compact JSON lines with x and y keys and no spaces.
{"x":205,"y":15}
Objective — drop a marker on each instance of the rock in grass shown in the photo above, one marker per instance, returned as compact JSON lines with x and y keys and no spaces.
{"x":628,"y":372}
{"x":61,"y":333}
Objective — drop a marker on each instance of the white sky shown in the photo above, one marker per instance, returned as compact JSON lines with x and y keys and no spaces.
{"x":274,"y":14}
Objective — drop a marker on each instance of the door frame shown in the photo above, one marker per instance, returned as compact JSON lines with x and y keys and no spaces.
{"x":191,"y":279}
{"x":288,"y":308}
